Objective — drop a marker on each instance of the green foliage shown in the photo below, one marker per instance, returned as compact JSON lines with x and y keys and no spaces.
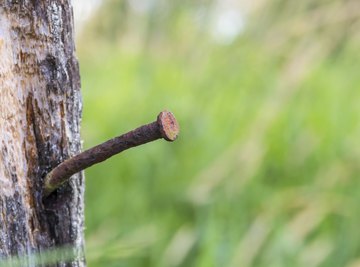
{"x":265,"y":172}
{"x":65,"y":254}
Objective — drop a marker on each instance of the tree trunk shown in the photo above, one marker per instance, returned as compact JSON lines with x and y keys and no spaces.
{"x":40,"y":110}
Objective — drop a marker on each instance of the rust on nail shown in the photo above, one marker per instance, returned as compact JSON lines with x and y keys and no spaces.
{"x":169,"y":127}
{"x":165,"y":127}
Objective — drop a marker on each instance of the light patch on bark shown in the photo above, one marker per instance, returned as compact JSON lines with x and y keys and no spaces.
{"x":12,"y":162}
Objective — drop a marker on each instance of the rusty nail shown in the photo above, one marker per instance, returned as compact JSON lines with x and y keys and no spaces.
{"x":165,"y":127}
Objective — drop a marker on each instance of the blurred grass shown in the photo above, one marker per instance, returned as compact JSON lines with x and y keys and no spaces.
{"x":266,"y":169}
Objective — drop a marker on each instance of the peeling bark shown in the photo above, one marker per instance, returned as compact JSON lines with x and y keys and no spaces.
{"x":40,"y":109}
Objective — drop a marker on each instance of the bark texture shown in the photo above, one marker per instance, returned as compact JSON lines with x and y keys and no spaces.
{"x":40,"y":110}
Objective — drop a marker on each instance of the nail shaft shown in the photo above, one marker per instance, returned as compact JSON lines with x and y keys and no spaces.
{"x":165,"y":127}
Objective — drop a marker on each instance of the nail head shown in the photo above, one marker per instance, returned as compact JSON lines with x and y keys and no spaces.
{"x":169,"y":127}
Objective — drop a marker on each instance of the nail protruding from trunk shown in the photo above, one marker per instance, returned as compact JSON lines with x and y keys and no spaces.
{"x":165,"y":127}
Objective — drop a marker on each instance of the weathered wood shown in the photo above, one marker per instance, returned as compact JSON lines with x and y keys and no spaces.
{"x":40,"y":110}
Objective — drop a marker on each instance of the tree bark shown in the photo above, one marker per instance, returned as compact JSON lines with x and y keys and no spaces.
{"x":40,"y":111}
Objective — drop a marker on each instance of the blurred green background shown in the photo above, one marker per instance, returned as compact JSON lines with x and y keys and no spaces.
{"x":266,"y":169}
